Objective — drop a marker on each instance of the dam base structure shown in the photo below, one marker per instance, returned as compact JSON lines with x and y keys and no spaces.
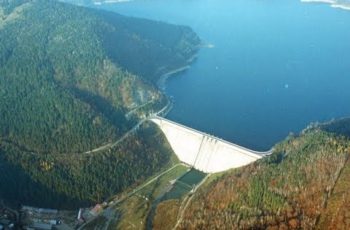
{"x":205,"y":152}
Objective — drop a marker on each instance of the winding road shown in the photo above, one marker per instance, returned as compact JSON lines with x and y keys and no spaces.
{"x":164,"y":110}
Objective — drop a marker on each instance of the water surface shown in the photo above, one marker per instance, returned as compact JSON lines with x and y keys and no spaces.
{"x":275,"y":67}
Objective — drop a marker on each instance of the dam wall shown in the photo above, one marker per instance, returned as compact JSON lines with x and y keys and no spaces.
{"x":204,"y":152}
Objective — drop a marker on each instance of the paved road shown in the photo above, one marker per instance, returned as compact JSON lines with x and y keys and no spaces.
{"x":139,"y":107}
{"x":183,"y":207}
{"x":128,"y":133}
{"x":111,"y":145}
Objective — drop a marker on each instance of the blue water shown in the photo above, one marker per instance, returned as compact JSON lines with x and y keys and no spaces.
{"x":276,"y":66}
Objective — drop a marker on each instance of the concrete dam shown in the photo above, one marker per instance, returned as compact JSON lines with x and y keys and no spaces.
{"x":204,"y":152}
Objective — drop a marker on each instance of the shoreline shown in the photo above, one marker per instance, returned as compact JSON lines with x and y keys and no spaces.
{"x":162,"y":79}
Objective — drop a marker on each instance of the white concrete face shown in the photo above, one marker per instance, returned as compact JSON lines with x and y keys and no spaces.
{"x":202,"y":151}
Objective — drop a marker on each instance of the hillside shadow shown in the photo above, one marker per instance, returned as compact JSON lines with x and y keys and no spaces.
{"x":18,"y":187}
{"x":340,"y":127}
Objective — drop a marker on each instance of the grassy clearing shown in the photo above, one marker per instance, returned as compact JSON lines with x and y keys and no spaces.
{"x":134,"y":210}
{"x":133,"y":213}
{"x":166,"y":215}
{"x":160,"y":186}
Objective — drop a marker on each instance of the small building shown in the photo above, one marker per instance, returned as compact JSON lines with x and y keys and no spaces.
{"x":96,"y":210}
{"x":48,"y":211}
{"x":40,"y":210}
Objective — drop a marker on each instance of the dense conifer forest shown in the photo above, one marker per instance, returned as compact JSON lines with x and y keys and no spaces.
{"x":68,"y":77}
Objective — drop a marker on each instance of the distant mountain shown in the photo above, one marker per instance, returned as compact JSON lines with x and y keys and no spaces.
{"x":304,"y":184}
{"x":75,"y":79}
{"x":90,"y":2}
{"x":341,"y":4}
{"x":81,"y":2}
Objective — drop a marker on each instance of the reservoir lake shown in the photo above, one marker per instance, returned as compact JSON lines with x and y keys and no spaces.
{"x":273,"y":66}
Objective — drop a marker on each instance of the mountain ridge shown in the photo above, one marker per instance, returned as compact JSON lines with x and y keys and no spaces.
{"x":298,"y":187}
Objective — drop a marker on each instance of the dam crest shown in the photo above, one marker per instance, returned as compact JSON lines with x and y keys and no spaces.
{"x":205,"y":152}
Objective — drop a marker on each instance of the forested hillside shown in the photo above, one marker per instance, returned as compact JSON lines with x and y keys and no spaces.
{"x":303,"y":185}
{"x":68,"y":77}
{"x":75,"y":180}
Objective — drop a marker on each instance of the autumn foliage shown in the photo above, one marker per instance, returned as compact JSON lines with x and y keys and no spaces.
{"x":302,"y":185}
